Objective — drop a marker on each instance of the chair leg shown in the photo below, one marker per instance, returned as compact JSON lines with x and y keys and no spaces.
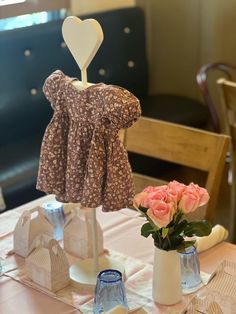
{"x":232,"y":216}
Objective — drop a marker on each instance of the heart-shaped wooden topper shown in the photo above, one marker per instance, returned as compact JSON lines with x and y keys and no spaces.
{"x":83,"y":38}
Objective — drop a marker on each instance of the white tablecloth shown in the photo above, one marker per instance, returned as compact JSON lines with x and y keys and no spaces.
{"x":121,"y":233}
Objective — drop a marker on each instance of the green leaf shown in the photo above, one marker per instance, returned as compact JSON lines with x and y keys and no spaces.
{"x":198,"y":228}
{"x":174,"y":242}
{"x":146,"y":230}
{"x":154,"y":227}
{"x":178,"y":217}
{"x":157,"y":239}
{"x":180,"y":227}
{"x":143,"y":209}
{"x":185,"y":245}
{"x":164,"y":232}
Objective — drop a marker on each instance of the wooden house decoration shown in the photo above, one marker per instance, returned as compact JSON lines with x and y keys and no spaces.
{"x":48,"y":266}
{"x":78,"y":234}
{"x":31,"y":224}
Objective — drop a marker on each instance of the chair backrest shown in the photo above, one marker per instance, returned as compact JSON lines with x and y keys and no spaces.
{"x":182,"y":145}
{"x":204,"y":76}
{"x":228,"y":102}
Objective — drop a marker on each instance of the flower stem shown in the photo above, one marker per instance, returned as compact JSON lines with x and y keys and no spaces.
{"x":159,"y":238}
{"x":168,"y":239}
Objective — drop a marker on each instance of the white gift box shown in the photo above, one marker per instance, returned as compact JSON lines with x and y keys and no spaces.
{"x":78,"y":234}
{"x":30,"y":225}
{"x":48,"y":266}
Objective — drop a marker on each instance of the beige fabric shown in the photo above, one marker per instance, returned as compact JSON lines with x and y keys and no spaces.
{"x":217,"y":235}
{"x":82,"y":159}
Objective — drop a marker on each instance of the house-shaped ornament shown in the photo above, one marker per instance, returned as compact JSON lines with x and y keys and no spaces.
{"x":78,"y":234}
{"x":31,"y":224}
{"x":48,"y":266}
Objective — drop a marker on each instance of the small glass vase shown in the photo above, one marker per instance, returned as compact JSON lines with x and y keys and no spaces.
{"x":166,"y":287}
{"x":109,"y":292}
{"x":190,"y":270}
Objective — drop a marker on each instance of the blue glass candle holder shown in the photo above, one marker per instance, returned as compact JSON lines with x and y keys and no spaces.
{"x":109,"y":291}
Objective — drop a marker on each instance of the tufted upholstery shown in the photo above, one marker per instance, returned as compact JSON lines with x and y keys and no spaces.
{"x":30,"y":54}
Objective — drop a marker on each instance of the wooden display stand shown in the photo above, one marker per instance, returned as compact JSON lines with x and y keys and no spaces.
{"x":83,"y":274}
{"x":83,"y":38}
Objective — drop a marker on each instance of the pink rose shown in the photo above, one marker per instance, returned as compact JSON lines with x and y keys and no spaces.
{"x":204,"y":196}
{"x":159,"y":193}
{"x":176,"y":189}
{"x":193,"y":197}
{"x":150,"y":189}
{"x":161,"y":213}
{"x":140,"y":200}
{"x":149,"y":194}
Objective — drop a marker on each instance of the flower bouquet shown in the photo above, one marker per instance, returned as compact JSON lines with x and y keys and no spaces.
{"x":165,"y":207}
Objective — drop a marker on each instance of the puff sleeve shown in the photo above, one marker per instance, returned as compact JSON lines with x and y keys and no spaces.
{"x":121,"y":107}
{"x":52,"y":88}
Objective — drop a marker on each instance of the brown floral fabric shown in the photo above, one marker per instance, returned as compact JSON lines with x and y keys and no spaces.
{"x":82,"y":159}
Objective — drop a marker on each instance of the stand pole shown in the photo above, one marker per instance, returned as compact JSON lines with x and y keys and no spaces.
{"x":84,"y":77}
{"x":83,"y":274}
{"x":95,"y":241}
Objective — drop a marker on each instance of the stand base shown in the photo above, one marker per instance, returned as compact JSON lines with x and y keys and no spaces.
{"x":82,"y":274}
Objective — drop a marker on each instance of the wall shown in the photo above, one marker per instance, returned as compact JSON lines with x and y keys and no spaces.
{"x":218,"y":31}
{"x":182,"y":36}
{"x":172,"y":48}
{"x":89,"y":6}
{"x":173,"y":45}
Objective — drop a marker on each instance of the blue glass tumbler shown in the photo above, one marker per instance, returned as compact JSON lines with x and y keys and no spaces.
{"x":190,"y":269}
{"x":109,"y":291}
{"x":55,"y":213}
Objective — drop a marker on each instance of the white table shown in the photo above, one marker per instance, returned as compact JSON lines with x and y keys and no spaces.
{"x":121,"y":233}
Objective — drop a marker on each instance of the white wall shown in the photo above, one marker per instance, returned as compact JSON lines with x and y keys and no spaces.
{"x":89,"y":6}
{"x":185,"y":34}
{"x":173,"y":45}
{"x":182,"y":35}
{"x":218,"y":31}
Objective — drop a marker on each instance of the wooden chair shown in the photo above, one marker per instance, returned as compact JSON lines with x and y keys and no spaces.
{"x":227,"y":90}
{"x":206,"y":79}
{"x":221,"y":118}
{"x":182,"y":145}
{"x":228,"y":102}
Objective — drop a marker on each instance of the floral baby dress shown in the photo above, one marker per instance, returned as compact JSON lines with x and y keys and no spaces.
{"x":82,"y":159}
